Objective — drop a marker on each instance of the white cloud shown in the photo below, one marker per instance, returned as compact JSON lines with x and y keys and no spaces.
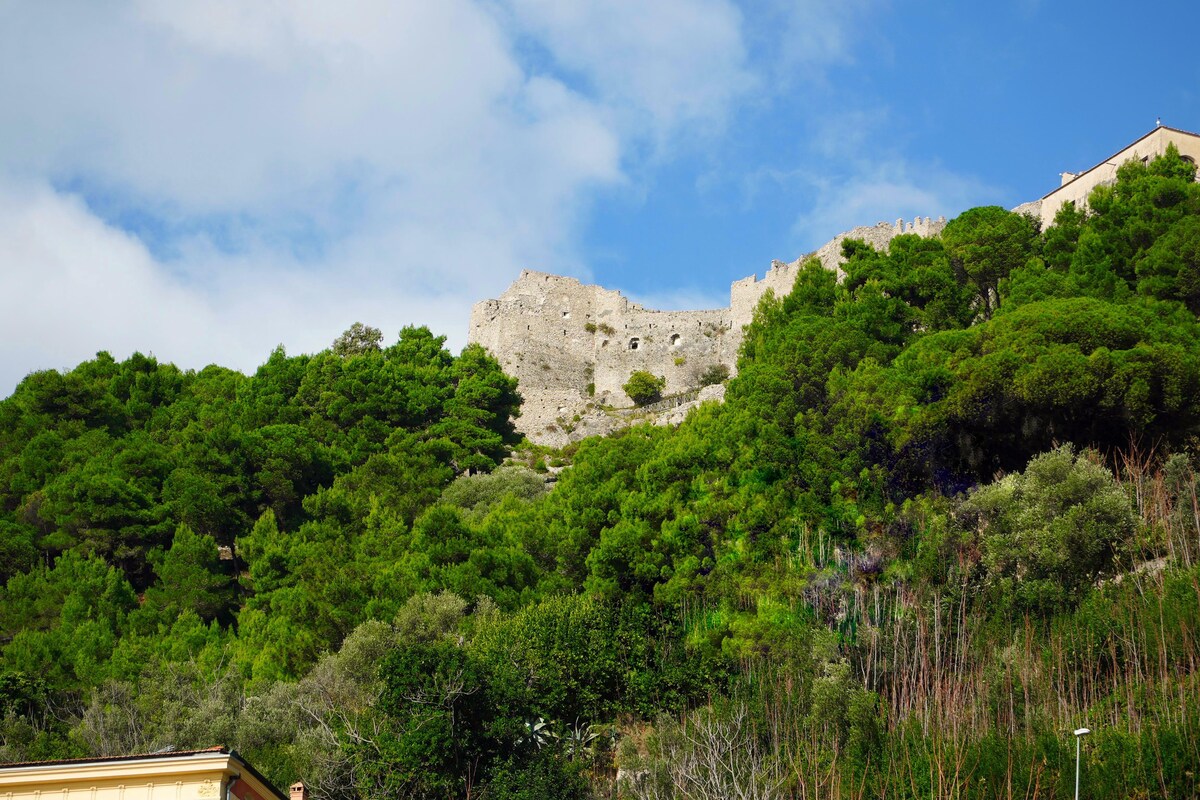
{"x":204,"y":179}
{"x":817,"y":34}
{"x":799,"y":40}
{"x":301,"y":165}
{"x":249,"y":107}
{"x":73,"y":285}
{"x":662,"y":66}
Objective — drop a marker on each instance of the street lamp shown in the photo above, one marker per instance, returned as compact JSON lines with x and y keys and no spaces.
{"x":1079,"y":734}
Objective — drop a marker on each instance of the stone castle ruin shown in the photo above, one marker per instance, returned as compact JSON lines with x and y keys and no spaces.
{"x":573,"y":346}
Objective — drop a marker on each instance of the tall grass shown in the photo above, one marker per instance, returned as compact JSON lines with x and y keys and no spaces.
{"x":940,"y":696}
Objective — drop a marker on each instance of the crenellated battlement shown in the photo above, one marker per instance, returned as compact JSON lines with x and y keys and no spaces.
{"x":922,"y":226}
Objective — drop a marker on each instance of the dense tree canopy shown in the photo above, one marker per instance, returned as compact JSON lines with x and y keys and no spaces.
{"x":946,"y":512}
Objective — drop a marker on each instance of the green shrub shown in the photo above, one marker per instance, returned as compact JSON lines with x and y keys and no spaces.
{"x":717,"y":373}
{"x":1049,"y":533}
{"x":546,"y":775}
{"x":644,"y":388}
{"x":481,"y":492}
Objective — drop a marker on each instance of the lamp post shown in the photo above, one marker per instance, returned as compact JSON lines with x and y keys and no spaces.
{"x":1079,"y":734}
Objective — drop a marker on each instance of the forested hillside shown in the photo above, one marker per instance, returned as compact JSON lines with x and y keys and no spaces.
{"x":948,"y":512}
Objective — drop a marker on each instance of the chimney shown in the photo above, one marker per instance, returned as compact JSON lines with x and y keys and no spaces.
{"x":299,"y":791}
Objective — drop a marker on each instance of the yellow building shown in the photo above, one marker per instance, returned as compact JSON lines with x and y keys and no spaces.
{"x":1077,"y":186}
{"x":214,"y":774}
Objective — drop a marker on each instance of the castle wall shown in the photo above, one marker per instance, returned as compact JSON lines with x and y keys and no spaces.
{"x":745,"y":294}
{"x":572,"y":347}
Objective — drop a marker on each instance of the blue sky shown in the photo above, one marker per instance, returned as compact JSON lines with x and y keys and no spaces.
{"x":206,"y":180}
